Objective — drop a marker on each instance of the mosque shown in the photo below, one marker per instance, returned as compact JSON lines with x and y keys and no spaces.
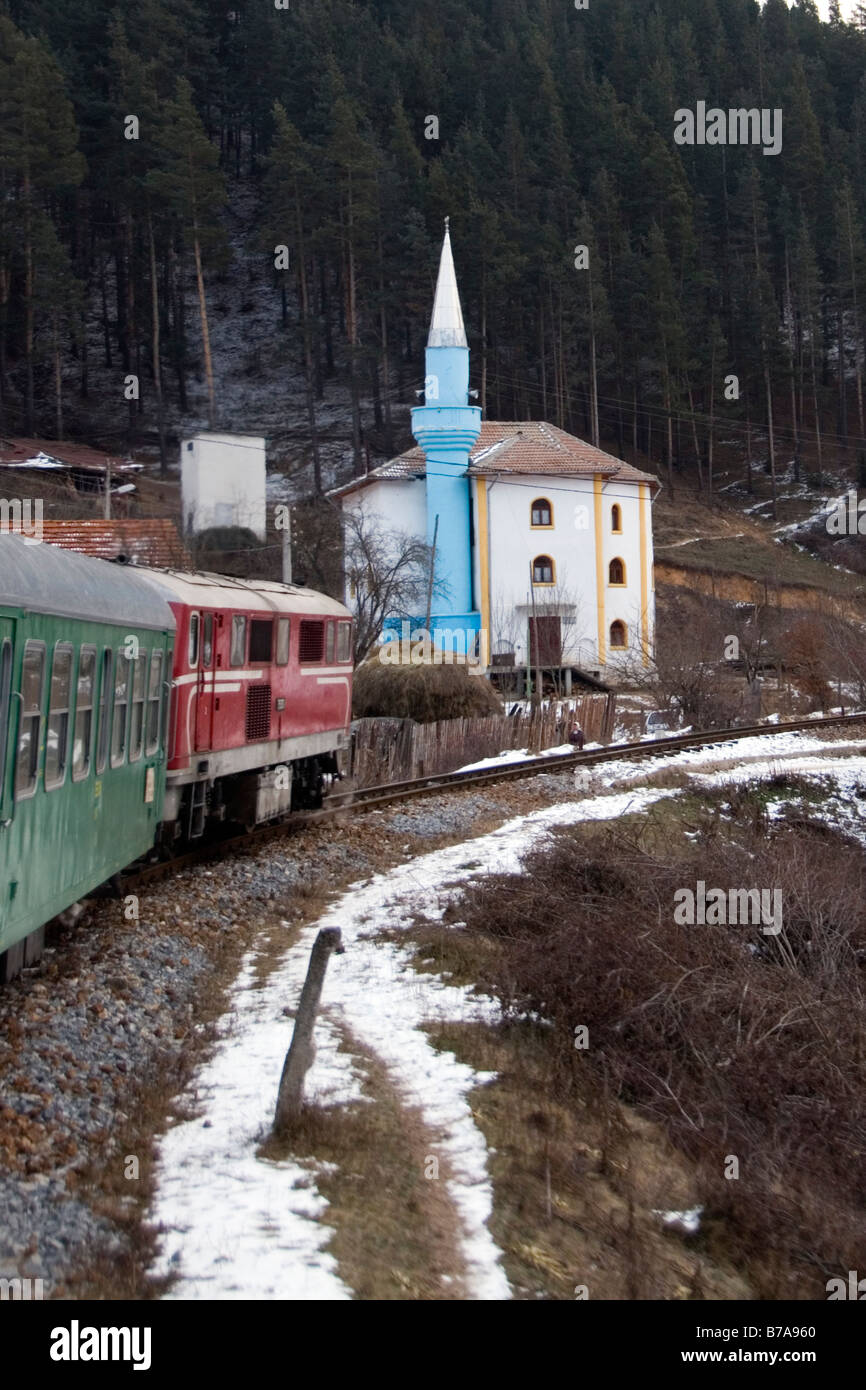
{"x":542,"y":544}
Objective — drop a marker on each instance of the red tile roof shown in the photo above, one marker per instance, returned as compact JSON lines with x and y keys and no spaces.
{"x":517,"y":446}
{"x":17,"y":453}
{"x":151,"y":541}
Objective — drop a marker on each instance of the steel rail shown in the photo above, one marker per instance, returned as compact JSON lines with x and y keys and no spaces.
{"x":369,"y":798}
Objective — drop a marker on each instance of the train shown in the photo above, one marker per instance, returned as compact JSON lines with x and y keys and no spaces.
{"x":143,"y":709}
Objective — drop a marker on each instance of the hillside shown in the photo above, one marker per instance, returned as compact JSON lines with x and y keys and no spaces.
{"x":330,"y":139}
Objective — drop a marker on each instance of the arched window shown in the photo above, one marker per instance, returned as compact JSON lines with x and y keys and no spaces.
{"x":618,"y":635}
{"x":616,"y":572}
{"x":542,"y":570}
{"x":615,"y":517}
{"x":542,"y":512}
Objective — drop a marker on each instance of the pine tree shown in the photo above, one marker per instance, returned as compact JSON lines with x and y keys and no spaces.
{"x":291,"y":196}
{"x":191,"y":183}
{"x":850,"y":279}
{"x":39,"y":161}
{"x":134,"y":93}
{"x":668,"y":332}
{"x":353,"y":162}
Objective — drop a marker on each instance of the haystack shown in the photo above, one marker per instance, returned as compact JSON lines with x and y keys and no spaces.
{"x":424,"y":693}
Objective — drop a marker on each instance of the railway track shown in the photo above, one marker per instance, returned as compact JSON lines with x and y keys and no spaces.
{"x":372,"y":798}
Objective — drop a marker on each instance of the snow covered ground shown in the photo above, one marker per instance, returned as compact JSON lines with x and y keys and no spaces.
{"x":241,"y":1227}
{"x":520,"y":755}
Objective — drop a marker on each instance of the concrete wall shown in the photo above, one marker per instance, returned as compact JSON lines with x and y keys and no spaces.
{"x":223,"y":482}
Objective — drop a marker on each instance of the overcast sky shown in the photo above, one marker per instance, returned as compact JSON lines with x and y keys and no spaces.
{"x":848,"y":8}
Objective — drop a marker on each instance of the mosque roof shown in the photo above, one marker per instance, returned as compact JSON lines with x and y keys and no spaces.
{"x":519,"y":447}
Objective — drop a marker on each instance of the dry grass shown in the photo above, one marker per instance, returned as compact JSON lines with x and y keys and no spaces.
{"x":727,"y":1040}
{"x":731,"y":542}
{"x":394,"y":1227}
{"x":577,"y":1182}
{"x":423,"y":693}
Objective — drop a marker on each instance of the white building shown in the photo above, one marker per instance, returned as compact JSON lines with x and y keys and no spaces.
{"x":548,"y":539}
{"x":223,"y":482}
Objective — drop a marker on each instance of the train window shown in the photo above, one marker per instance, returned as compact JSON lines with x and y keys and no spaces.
{"x":261,"y":638}
{"x":344,"y":642}
{"x":194,"y":621}
{"x":5,"y":707}
{"x":311,"y":640}
{"x":104,"y":707}
{"x":121,"y":705}
{"x":330,"y":642}
{"x":282,"y":641}
{"x":207,"y":641}
{"x":239,"y":640}
{"x":136,"y":718}
{"x":57,"y":732}
{"x":82,"y":733}
{"x":30,"y":728}
{"x":154,"y":702}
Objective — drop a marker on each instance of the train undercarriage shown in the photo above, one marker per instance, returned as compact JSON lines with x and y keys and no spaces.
{"x":195,"y":809}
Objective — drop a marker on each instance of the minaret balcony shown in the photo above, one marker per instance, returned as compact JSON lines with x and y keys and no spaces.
{"x":453,"y":428}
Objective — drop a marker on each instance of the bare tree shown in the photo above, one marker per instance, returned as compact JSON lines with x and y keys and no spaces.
{"x":846,"y":648}
{"x":387,"y":574}
{"x":509,"y":628}
{"x":689,"y":660}
{"x":751,"y":628}
{"x":807,"y":655}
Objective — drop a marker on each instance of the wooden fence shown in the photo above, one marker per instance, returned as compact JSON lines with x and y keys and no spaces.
{"x":394,"y":750}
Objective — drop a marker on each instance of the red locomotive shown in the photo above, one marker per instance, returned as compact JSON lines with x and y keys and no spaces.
{"x":261,"y":699}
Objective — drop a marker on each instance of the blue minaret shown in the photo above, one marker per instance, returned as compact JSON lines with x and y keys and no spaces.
{"x":446,"y":427}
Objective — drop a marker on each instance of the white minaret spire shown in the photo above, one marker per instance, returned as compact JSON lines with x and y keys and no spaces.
{"x":446,"y":325}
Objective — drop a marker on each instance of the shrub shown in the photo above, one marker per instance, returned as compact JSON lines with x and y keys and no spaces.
{"x":736,"y":1042}
{"x":423,"y":693}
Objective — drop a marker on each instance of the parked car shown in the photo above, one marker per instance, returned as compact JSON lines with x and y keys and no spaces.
{"x":662,"y":721}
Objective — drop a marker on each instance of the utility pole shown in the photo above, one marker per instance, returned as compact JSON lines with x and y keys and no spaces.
{"x":535,"y":706}
{"x":529,"y":648}
{"x":430,"y":582}
{"x":287,"y":548}
{"x":107,"y":509}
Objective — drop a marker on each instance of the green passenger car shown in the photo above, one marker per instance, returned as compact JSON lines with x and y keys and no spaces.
{"x":85,"y":666}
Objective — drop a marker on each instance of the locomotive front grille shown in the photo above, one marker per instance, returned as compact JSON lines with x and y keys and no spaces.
{"x":258,"y":711}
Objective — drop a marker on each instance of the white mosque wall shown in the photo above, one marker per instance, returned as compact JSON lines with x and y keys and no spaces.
{"x":395,"y":508}
{"x":571,"y":544}
{"x":399,"y":507}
